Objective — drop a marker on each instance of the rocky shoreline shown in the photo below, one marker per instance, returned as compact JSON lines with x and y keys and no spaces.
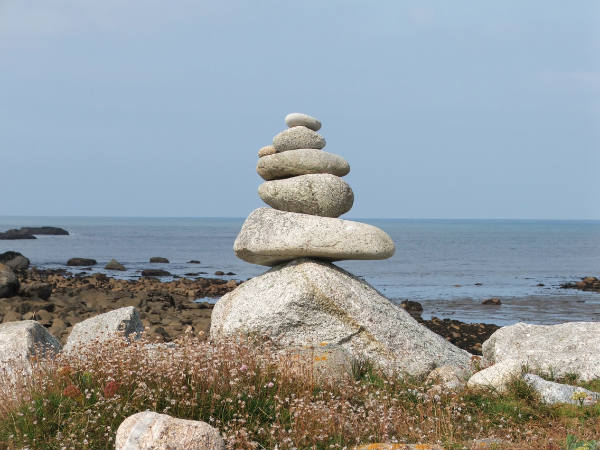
{"x":59,"y":300}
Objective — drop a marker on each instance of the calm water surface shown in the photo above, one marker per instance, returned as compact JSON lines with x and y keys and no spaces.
{"x":437,"y":262}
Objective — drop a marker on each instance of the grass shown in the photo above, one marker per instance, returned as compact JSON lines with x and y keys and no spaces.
{"x":258,"y":398}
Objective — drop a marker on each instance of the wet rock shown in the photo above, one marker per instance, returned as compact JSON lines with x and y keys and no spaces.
{"x":81,"y":262}
{"x":219,"y":273}
{"x":492,"y":301}
{"x":415,"y":309}
{"x":15,"y":260}
{"x":36,"y":289}
{"x":193,"y":261}
{"x":113,"y":264}
{"x":586,"y":284}
{"x":155,"y":273}
{"x":9,"y":284}
{"x":159,"y":259}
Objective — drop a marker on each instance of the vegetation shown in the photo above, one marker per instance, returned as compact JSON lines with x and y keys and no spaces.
{"x":258,"y":398}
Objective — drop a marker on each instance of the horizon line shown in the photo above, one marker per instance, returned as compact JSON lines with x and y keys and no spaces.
{"x":344,"y":218}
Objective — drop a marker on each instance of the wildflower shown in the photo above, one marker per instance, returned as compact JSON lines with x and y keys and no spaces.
{"x":110,"y":389}
{"x":270,"y":384}
{"x":243,"y":368}
{"x":71,"y":391}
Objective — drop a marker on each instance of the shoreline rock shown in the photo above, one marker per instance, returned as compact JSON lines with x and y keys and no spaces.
{"x":30,"y":232}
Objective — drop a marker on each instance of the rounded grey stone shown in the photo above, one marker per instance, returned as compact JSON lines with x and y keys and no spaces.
{"x":301,"y":162}
{"x":299,"y":119}
{"x":266,"y":150}
{"x":308,"y":302}
{"x":298,"y":137}
{"x":270,"y":237}
{"x":320,"y":194}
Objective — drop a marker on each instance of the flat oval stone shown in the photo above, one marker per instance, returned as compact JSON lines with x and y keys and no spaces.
{"x":301,"y":162}
{"x":270,"y":237}
{"x":298,"y":137}
{"x":320,"y":194}
{"x":266,"y":150}
{"x":299,"y":119}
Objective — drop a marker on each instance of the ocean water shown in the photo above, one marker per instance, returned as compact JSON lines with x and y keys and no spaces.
{"x":437,"y":262}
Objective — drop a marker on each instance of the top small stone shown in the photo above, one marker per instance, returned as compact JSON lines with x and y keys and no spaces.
{"x":299,"y":119}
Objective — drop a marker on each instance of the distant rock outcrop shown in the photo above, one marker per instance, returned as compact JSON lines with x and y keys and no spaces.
{"x":30,"y":232}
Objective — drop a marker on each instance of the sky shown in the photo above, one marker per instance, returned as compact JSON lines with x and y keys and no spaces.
{"x":459,"y":109}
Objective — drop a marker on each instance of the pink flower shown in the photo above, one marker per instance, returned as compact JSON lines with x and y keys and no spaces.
{"x":243,"y":368}
{"x":270,"y":384}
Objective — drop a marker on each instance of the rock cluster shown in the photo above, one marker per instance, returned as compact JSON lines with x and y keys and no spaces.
{"x":303,"y":185}
{"x":304,"y":300}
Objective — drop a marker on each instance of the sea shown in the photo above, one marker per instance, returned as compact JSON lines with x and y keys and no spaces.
{"x":449,"y":266}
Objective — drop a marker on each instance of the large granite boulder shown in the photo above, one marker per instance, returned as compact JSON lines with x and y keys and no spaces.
{"x":23,"y":339}
{"x":123,"y":321}
{"x":319,"y":194}
{"x":270,"y":237}
{"x":9,"y":284}
{"x":15,"y":260}
{"x":301,"y":162}
{"x":309,"y":302}
{"x":561,"y":349}
{"x":152,"y":431}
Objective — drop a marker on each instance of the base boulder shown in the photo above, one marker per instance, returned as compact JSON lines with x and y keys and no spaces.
{"x":310,"y":302}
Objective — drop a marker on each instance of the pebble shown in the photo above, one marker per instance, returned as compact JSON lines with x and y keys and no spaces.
{"x":298,"y":137}
{"x":299,"y":119}
{"x":266,"y":150}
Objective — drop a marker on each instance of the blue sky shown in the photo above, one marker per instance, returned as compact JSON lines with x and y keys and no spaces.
{"x":443,"y":109}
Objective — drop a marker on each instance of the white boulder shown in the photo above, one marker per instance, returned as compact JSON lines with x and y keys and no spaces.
{"x":561,"y":349}
{"x":309,"y":302}
{"x":552,"y":393}
{"x":152,"y":431}
{"x":497,"y":376}
{"x":123,"y":321}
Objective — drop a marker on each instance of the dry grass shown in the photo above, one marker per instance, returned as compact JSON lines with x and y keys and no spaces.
{"x":258,"y":399}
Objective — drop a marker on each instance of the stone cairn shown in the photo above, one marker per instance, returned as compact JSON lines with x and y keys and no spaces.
{"x":305,"y":189}
{"x":305,"y":302}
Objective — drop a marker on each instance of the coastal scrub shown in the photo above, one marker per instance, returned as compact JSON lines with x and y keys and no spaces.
{"x":259,"y":398}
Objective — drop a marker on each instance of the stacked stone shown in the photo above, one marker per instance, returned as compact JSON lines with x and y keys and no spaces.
{"x":306,"y":192}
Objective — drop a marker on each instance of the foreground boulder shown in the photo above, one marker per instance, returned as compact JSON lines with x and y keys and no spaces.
{"x":81,"y":262}
{"x":122,"y":321}
{"x":152,"y":431}
{"x":309,"y":302}
{"x":15,"y":260}
{"x":9,"y":284}
{"x":562,"y":349}
{"x":270,"y":237}
{"x":553,"y":393}
{"x":23,"y":339}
